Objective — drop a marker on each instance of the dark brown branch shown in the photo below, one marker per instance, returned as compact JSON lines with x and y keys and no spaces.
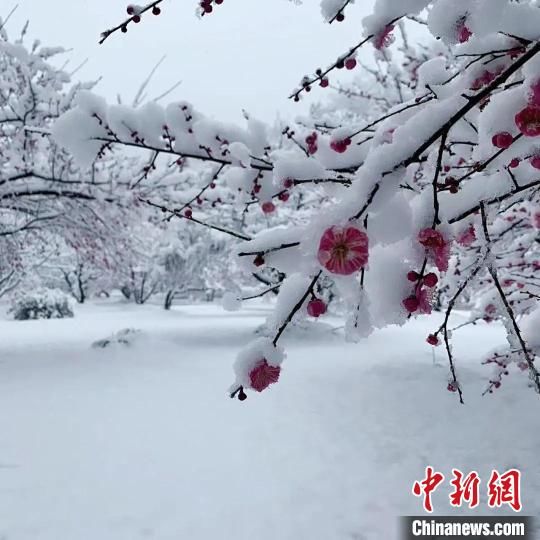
{"x":296,"y":308}
{"x":175,"y":213}
{"x":368,"y":202}
{"x":497,"y":199}
{"x":482,"y":166}
{"x":417,"y":102}
{"x":201,"y":157}
{"x":320,"y":74}
{"x":444,"y":327}
{"x":196,"y":197}
{"x":269,"y":250}
{"x":339,"y":11}
{"x":438,"y":167}
{"x":123,"y":25}
{"x":263,"y":293}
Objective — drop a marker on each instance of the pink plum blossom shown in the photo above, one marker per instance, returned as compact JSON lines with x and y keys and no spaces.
{"x":340,"y":146}
{"x":268,"y":207}
{"x":528,"y":121}
{"x":486,"y":78}
{"x":437,"y":247}
{"x":502,"y":139}
{"x":343,"y":250}
{"x":535,"y":161}
{"x":420,"y":301}
{"x":316,"y":308}
{"x":425,"y":299}
{"x":463,"y":32}
{"x":263,"y":375}
{"x":384,"y":37}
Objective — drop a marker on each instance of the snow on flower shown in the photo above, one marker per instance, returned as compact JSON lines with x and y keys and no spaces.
{"x":343,"y":250}
{"x":263,"y":375}
{"x":258,"y":365}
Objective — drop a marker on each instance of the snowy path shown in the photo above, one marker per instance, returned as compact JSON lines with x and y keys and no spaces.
{"x":143,"y":443}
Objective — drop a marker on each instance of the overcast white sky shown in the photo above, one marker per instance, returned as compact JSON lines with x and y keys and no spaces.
{"x":248,"y":54}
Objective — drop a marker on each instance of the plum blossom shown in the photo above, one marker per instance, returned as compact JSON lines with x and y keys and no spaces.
{"x":263,"y":375}
{"x":528,"y":121}
{"x":535,"y":161}
{"x":420,"y":301}
{"x":311,"y":141}
{"x":486,"y":78}
{"x":316,"y":308}
{"x":463,"y":31}
{"x":425,"y":299}
{"x":467,"y":237}
{"x":437,"y":247}
{"x":384,"y":37}
{"x":489,"y":313}
{"x":340,"y":146}
{"x":502,"y":139}
{"x":343,"y":250}
{"x":268,"y":207}
{"x":430,"y":280}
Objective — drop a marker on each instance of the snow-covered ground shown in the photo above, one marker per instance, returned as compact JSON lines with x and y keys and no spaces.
{"x":142,"y":442}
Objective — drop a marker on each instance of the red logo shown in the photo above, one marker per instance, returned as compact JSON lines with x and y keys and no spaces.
{"x":465,"y":489}
{"x":505,"y":489}
{"x":502,"y":489}
{"x":427,"y":486}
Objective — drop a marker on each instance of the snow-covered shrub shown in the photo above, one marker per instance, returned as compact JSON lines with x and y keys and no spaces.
{"x":76,"y":225}
{"x":123,"y":337}
{"x":41,"y":303}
